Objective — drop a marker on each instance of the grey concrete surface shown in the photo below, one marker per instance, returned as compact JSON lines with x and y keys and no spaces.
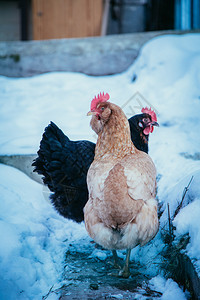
{"x":23,"y":163}
{"x":93,"y":56}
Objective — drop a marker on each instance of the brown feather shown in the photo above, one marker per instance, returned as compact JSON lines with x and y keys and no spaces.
{"x":117,"y":208}
{"x":121,"y":211}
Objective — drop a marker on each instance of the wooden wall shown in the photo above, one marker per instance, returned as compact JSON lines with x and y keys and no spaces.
{"x":53,"y":19}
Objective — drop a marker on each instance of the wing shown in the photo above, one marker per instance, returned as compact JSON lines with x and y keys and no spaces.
{"x":127,"y":186}
{"x":141,"y":176}
{"x":64,"y":165}
{"x":111,"y":201}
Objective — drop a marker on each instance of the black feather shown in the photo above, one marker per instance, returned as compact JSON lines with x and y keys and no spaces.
{"x":64,"y":165}
{"x":139,"y":139}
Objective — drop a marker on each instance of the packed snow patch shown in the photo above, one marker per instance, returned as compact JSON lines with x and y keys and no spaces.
{"x":34,"y":238}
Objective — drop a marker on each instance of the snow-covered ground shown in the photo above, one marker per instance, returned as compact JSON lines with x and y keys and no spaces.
{"x":33,"y":237}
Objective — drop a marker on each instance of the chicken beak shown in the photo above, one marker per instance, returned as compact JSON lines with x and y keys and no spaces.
{"x":154,"y":123}
{"x":151,"y":124}
{"x":91,"y":113}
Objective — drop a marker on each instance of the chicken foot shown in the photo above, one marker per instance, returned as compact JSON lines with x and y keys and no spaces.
{"x":116,"y":260}
{"x":115,"y":263}
{"x":125,"y":272}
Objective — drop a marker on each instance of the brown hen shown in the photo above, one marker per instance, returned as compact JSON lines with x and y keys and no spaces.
{"x":121,"y":212}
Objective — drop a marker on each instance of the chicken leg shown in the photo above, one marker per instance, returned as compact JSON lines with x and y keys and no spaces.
{"x":116,"y":260}
{"x":125,"y":272}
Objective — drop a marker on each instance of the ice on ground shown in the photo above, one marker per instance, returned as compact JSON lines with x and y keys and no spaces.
{"x":34,"y":237}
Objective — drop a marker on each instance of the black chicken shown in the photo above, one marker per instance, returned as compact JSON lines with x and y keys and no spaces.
{"x":64,"y":164}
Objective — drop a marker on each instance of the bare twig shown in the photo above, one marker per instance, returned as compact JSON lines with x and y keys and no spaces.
{"x":183,"y":197}
{"x":169,"y":219}
{"x":170,"y":223}
{"x":47,"y":295}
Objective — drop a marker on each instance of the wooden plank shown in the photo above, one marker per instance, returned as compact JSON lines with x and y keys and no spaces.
{"x":66,"y":18}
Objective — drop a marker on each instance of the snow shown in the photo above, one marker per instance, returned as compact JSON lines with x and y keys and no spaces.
{"x":34,"y":238}
{"x":168,"y":288}
{"x":187,"y":221}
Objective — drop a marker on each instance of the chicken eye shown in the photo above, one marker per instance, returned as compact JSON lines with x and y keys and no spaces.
{"x":102,"y":108}
{"x":145,"y":120}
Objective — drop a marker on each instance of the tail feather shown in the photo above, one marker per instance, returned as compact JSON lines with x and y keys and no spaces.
{"x":64,"y":165}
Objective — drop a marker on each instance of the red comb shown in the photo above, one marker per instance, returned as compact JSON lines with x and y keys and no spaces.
{"x":146,"y":110}
{"x":100,"y":98}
